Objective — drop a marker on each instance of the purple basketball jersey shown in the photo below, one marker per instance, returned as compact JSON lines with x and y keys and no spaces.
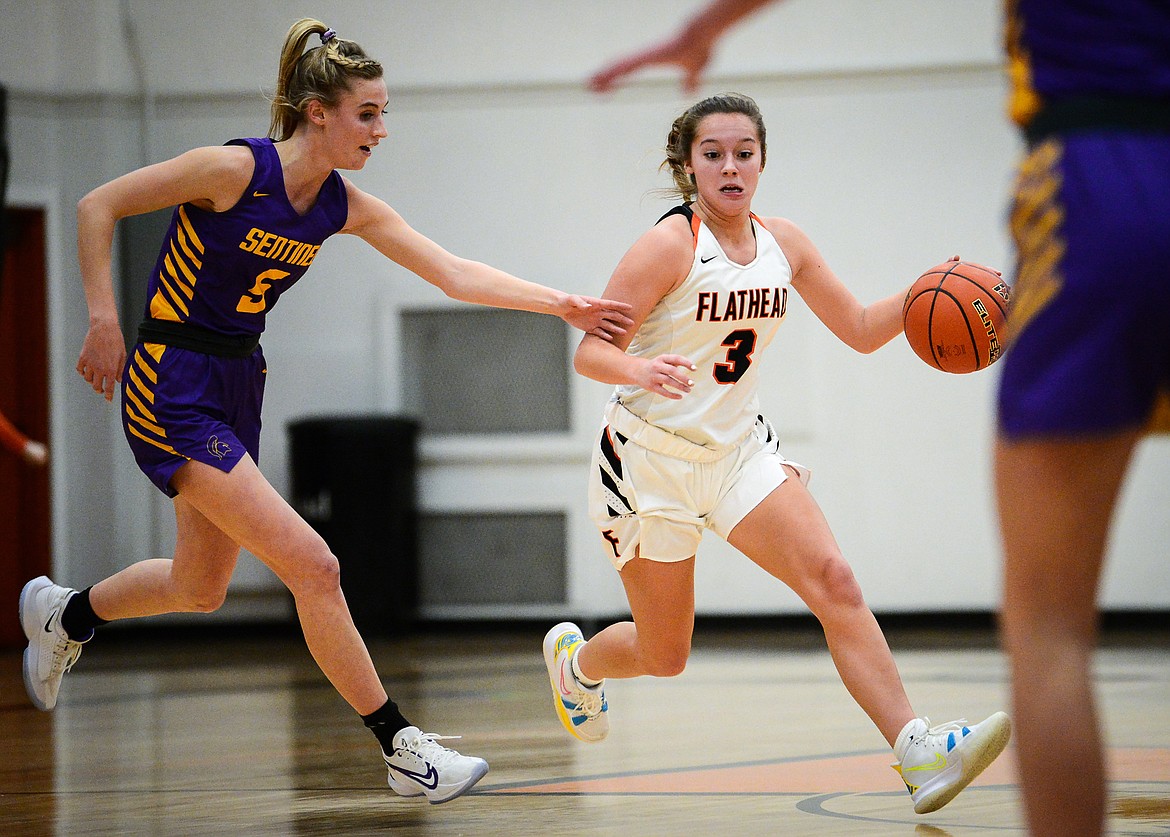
{"x":1089,"y":332}
{"x":224,"y":271}
{"x":1063,"y":48}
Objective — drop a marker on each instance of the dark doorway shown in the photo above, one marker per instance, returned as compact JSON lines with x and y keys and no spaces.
{"x":24,"y":399}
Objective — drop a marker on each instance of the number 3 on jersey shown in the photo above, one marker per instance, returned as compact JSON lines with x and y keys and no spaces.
{"x":253,"y":301}
{"x":740,"y":344}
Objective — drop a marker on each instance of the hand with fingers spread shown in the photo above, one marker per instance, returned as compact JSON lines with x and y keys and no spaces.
{"x":690,"y":48}
{"x":604,"y":318}
{"x":689,"y":54}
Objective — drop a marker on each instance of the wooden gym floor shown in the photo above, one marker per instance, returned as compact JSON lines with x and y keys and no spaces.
{"x":217,"y":734}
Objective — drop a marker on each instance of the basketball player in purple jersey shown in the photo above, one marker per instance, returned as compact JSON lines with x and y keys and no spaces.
{"x":1089,"y":352}
{"x":249,"y":219}
{"x":1088,"y":369}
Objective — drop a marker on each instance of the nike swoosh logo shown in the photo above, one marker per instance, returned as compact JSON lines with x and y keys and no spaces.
{"x":940,"y":761}
{"x":49,"y":622}
{"x":564,"y":689}
{"x":704,"y":261}
{"x":259,"y":194}
{"x":429,"y":780}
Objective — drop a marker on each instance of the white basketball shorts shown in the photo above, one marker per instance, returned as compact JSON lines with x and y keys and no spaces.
{"x":656,"y":504}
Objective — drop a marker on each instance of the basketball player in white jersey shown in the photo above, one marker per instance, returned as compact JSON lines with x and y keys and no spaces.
{"x":684,"y":449}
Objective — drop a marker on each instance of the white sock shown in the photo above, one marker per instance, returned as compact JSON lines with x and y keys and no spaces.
{"x":581,"y":678}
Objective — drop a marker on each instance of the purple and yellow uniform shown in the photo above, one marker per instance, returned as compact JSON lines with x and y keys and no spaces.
{"x":1089,"y":329}
{"x":194,"y":383}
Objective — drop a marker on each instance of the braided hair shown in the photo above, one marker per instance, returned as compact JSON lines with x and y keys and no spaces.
{"x":321,"y":72}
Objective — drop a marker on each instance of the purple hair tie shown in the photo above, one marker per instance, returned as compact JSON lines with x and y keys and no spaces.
{"x":327,"y":36}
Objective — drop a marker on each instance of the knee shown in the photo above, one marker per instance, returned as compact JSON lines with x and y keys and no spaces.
{"x":319,"y":573}
{"x":836,"y":587}
{"x":203,"y":599}
{"x":1052,"y":630}
{"x":668,"y":662}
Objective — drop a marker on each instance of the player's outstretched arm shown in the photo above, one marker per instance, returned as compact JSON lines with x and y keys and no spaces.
{"x":470,"y":281}
{"x":689,"y":49}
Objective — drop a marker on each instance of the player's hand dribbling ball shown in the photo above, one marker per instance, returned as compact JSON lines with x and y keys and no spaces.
{"x":954,"y":316}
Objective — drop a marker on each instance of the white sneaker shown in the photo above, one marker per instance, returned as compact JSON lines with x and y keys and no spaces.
{"x":582,"y":709}
{"x":419,"y":766}
{"x":938,"y":762}
{"x":50,"y":651}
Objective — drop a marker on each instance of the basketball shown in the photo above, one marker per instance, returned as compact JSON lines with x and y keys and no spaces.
{"x":954,"y":316}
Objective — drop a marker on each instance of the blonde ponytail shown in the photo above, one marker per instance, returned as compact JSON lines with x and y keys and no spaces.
{"x":322,"y":72}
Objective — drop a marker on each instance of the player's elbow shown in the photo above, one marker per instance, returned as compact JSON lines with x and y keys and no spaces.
{"x":474,"y":282}
{"x":88,"y":206}
{"x":449,"y":282}
{"x":867,"y":339}
{"x":96,"y":211}
{"x":581,"y":362}
{"x":859,"y":341}
{"x":587,"y":362}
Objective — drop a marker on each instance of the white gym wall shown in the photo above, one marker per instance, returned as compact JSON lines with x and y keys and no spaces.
{"x":887,"y":143}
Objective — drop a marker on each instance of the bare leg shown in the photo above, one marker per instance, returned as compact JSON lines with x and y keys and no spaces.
{"x":195,"y":580}
{"x":217,"y":514}
{"x":1056,"y":501}
{"x":658,"y":641}
{"x":788,"y":536}
{"x":661,"y":597}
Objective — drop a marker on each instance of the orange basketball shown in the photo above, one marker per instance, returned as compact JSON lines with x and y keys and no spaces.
{"x":954,"y":316}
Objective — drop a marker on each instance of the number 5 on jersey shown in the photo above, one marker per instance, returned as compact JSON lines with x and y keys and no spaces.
{"x":253,"y":301}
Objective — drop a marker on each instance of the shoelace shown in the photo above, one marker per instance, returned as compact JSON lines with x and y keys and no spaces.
{"x":943,"y":729}
{"x":65,"y":655}
{"x":587,"y":702}
{"x":426,"y":745}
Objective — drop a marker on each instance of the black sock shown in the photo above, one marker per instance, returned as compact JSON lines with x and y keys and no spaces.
{"x":78,"y":619}
{"x":385,"y":724}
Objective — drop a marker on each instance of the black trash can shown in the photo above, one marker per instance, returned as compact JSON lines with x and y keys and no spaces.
{"x":354,"y":480}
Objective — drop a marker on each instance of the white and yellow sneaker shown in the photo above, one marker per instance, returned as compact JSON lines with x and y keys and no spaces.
{"x":582,"y":709}
{"x":938,"y":762}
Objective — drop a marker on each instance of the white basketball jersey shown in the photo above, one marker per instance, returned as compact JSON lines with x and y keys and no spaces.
{"x":722,"y":317}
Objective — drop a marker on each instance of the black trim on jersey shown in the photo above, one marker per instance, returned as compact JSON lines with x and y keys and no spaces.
{"x":683,"y":210}
{"x":196,"y":339}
